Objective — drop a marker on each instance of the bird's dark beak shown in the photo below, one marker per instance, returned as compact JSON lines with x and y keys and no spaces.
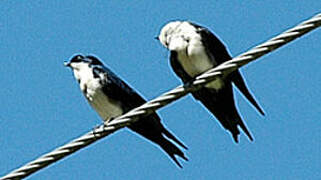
{"x":67,"y":64}
{"x":157,"y":38}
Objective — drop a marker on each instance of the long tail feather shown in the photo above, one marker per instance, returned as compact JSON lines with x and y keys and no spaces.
{"x":172,"y":150}
{"x":172,"y":137}
{"x":240,"y":84}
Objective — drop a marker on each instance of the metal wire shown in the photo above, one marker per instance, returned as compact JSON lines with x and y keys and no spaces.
{"x":219,"y":72}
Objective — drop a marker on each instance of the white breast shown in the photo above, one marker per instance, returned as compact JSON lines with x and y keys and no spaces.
{"x":104,"y":106}
{"x":195,"y":61}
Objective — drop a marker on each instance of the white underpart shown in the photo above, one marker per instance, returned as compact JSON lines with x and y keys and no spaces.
{"x":106,"y":108}
{"x":183,"y":38}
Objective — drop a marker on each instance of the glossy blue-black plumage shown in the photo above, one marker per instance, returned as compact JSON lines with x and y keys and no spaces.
{"x":220,"y":102}
{"x":150,"y":126}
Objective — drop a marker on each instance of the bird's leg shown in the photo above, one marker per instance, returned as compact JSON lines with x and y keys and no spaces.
{"x":95,"y":130}
{"x":103,"y":125}
{"x":107,"y":120}
{"x":110,"y":119}
{"x":189,"y":83}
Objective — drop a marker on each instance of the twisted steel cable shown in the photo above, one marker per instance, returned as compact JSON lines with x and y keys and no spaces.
{"x":220,"y":71}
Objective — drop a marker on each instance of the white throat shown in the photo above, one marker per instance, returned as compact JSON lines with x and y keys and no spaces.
{"x":92,"y":89}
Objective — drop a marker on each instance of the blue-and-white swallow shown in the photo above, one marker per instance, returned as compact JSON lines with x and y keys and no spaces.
{"x":194,"y":50}
{"x":111,"y":97}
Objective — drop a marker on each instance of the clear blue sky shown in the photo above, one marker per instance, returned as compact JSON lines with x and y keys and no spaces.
{"x":42,"y":107}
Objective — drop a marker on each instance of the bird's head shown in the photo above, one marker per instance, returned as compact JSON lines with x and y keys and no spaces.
{"x":79,"y":61}
{"x":176,"y":35}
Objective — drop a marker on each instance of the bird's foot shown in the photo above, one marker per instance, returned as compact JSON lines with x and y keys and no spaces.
{"x":110,"y":119}
{"x":95,"y":129}
{"x":103,"y":125}
{"x":188,"y":84}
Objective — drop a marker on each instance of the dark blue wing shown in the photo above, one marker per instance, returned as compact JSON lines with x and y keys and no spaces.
{"x":118,"y":90}
{"x":177,"y":68}
{"x":219,"y":103}
{"x":150,"y":126}
{"x":216,"y":49}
